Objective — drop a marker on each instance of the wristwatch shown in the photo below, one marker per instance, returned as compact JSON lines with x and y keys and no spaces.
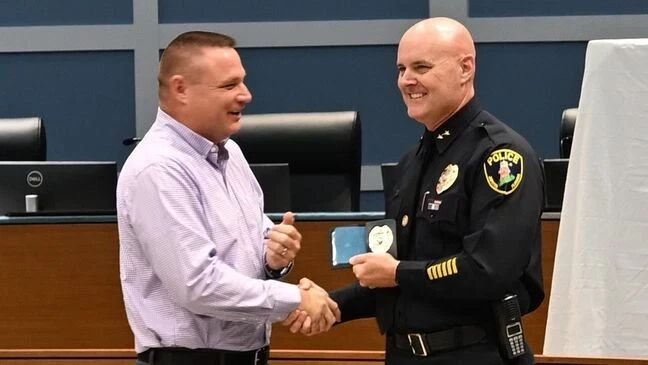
{"x":277,"y":274}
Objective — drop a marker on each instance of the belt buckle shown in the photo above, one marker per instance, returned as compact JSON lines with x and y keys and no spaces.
{"x":417,"y":343}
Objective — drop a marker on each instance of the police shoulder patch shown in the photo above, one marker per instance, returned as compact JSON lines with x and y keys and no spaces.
{"x":504,"y":169}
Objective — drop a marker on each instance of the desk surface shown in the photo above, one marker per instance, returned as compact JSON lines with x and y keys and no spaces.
{"x":306,"y":216}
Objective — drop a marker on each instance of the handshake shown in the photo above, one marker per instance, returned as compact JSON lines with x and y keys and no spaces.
{"x":317,"y":312}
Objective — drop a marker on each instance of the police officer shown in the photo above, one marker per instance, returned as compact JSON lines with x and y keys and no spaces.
{"x":467,"y":206}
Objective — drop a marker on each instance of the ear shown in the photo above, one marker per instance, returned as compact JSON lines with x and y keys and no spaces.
{"x":178,"y":88}
{"x":467,"y":64}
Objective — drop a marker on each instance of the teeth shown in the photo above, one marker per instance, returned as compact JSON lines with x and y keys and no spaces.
{"x":416,"y":96}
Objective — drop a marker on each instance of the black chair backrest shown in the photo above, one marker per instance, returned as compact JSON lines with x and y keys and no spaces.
{"x":274,"y":179}
{"x":555,"y":175}
{"x":389,"y":177}
{"x":322,"y":150}
{"x":567,"y":126}
{"x":22,"y":139}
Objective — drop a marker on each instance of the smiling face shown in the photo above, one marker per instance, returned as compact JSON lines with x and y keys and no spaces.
{"x":435,"y":70}
{"x":214,"y":102}
{"x":201,"y":84}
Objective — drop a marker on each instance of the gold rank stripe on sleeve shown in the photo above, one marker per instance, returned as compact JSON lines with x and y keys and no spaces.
{"x":443,"y":269}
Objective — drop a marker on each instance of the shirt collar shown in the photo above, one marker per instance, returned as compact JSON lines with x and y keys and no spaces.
{"x":200,"y":144}
{"x":447,"y":132}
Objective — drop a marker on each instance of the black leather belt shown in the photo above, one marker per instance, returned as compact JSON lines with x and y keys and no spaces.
{"x":181,"y":355}
{"x":424,"y":344}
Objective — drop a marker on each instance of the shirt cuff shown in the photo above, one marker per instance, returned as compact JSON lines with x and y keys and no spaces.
{"x":410,"y":272}
{"x":286,"y":298}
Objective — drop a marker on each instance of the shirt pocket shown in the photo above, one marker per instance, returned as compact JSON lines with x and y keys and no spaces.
{"x":436,"y":227}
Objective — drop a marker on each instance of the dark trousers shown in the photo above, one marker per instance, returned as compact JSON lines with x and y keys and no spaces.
{"x":184,"y":356}
{"x":483,"y":353}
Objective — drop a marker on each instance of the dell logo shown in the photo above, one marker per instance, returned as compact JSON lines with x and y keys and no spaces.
{"x":35,"y":179}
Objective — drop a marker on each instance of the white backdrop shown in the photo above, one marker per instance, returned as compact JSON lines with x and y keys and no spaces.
{"x":599,"y":296}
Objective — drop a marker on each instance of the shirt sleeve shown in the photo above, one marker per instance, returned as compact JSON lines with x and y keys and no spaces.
{"x":503,"y":230}
{"x":167,"y":218}
{"x":355,"y":302}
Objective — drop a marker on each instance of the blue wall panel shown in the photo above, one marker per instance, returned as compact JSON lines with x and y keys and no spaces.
{"x":333,"y":79}
{"x":504,"y":8}
{"x":86,"y":100}
{"x":65,"y":12}
{"x":198,"y":11}
{"x":527,"y":85}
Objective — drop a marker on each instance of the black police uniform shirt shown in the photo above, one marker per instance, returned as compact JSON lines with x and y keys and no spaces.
{"x":467,"y":205}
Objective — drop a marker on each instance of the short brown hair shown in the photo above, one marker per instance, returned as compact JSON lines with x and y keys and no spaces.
{"x":179,"y":55}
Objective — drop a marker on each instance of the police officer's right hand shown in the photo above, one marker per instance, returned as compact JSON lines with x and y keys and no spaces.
{"x":321,"y":309}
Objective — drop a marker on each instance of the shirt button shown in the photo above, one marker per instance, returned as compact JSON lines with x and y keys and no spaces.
{"x":214,"y":149}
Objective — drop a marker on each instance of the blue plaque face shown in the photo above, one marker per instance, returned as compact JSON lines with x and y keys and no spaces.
{"x":347,"y":242}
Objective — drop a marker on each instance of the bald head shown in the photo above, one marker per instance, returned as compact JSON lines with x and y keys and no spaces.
{"x":447,"y":35}
{"x":436,"y":63}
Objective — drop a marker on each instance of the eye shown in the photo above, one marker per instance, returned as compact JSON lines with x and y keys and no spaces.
{"x":401,"y":70}
{"x":230,"y":86}
{"x":422,"y":69}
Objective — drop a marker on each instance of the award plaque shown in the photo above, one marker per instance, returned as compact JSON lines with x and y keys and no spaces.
{"x":348,"y":241}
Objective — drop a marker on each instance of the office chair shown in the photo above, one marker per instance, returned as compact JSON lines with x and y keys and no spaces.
{"x":322,"y":150}
{"x":389,"y":175}
{"x":274,"y":179}
{"x":567,"y":125}
{"x":554,"y":171}
{"x":22,"y":139}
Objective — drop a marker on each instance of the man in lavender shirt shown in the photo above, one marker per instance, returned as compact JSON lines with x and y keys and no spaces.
{"x":196,"y":251}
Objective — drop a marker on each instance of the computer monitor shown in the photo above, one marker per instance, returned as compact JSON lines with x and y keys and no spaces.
{"x":62,"y":187}
{"x":274,"y":179}
{"x":555,"y":174}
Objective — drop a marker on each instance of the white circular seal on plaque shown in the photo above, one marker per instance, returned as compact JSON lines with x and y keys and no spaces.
{"x":380,"y":239}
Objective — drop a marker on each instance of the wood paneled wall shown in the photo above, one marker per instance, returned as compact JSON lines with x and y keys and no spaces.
{"x":62,"y":303}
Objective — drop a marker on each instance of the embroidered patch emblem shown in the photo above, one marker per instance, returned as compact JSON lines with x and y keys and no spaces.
{"x":447,"y":178}
{"x":504,"y":170}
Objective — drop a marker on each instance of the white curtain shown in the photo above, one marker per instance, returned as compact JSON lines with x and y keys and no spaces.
{"x":599,"y":295}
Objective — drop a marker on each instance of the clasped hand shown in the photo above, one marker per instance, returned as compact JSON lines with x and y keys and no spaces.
{"x":317,"y":312}
{"x":373,"y":270}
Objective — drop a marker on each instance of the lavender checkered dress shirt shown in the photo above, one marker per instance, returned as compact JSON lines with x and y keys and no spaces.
{"x":191,"y":233}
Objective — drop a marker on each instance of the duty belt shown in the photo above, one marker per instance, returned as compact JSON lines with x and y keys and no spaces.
{"x":181,"y":355}
{"x":424,"y":344}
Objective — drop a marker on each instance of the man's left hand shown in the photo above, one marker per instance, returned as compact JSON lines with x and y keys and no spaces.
{"x":375,"y":270}
{"x":283,"y":244}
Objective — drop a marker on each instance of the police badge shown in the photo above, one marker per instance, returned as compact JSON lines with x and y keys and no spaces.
{"x":381,"y":236}
{"x":447,"y":178}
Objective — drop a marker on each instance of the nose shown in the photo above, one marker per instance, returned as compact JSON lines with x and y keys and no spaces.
{"x":406,"y":78}
{"x":245,"y":96}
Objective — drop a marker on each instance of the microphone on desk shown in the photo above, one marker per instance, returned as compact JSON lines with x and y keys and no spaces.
{"x":131,"y":141}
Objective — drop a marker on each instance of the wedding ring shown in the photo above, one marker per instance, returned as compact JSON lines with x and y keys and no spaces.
{"x":283,"y":252}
